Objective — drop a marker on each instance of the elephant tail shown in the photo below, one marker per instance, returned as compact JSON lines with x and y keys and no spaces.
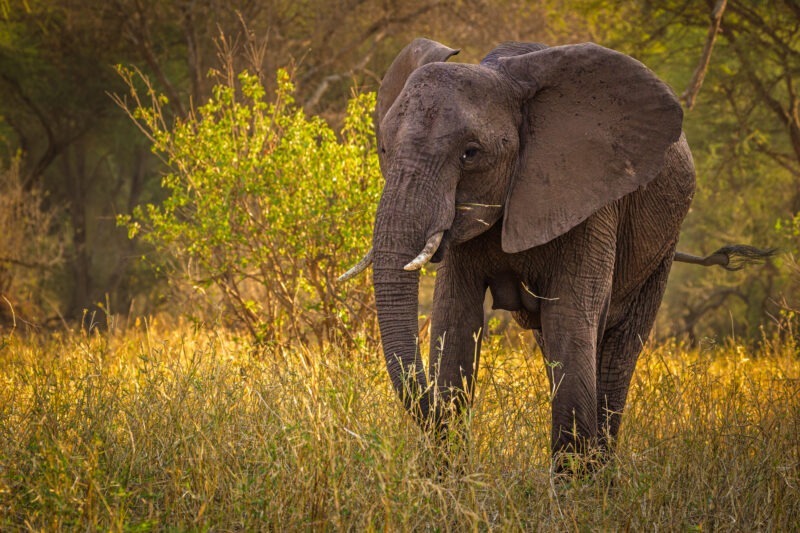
{"x":733,"y":257}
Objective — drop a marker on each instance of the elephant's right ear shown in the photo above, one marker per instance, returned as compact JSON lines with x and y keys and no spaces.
{"x":419,"y":52}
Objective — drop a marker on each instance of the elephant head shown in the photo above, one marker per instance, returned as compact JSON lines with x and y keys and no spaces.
{"x":533,"y":138}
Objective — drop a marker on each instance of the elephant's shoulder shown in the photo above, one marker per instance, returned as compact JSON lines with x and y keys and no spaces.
{"x":680,"y":164}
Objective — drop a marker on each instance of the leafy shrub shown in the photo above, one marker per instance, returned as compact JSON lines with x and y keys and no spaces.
{"x":30,"y":249}
{"x":266,"y":205}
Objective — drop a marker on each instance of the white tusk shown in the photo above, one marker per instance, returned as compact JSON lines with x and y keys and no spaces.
{"x":425,"y":255}
{"x":360,"y":267}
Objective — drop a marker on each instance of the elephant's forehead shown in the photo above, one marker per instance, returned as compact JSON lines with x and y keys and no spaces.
{"x":449,"y":96}
{"x":440,"y":81}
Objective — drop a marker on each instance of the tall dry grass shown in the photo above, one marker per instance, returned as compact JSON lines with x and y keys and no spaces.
{"x":187,"y":428}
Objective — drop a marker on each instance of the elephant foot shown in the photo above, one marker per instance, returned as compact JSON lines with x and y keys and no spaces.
{"x":583,"y":477}
{"x":447,"y":452}
{"x":583,"y":460}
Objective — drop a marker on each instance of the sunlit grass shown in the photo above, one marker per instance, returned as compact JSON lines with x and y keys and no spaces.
{"x":191,"y":429}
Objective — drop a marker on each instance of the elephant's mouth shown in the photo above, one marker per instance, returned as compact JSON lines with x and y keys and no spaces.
{"x":428,"y":251}
{"x":439,"y":255}
{"x":471,"y":219}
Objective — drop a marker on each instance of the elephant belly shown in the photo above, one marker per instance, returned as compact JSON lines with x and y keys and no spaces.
{"x":528,"y":320}
{"x":511,"y":294}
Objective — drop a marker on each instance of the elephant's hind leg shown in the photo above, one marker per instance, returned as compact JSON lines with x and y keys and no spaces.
{"x":621,"y":345}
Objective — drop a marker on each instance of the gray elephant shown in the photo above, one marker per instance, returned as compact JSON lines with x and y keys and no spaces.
{"x":557,"y":178}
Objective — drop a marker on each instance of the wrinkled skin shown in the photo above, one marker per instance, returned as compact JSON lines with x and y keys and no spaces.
{"x":560,"y":178}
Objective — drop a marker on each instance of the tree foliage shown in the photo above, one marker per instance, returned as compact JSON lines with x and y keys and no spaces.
{"x":55,"y":73}
{"x":744,"y":135}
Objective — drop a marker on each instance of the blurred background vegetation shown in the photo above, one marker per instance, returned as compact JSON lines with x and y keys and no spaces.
{"x":74,"y":163}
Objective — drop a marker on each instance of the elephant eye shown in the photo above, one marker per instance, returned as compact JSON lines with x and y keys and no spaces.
{"x":469,"y":154}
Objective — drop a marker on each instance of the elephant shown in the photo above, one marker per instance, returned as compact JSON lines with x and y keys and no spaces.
{"x":555,"y":177}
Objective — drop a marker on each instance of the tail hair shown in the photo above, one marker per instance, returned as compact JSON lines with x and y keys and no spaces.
{"x":732,"y":257}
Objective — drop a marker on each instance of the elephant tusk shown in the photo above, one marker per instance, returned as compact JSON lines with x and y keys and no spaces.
{"x":425,"y":255}
{"x":359,"y":267}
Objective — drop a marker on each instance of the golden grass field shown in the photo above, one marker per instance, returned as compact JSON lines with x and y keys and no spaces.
{"x":187,"y":428}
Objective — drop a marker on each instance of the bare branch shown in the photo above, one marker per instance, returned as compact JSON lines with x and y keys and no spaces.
{"x":27,"y":264}
{"x":53,"y":146}
{"x":777,"y":43}
{"x":324,"y":85}
{"x":714,"y":300}
{"x":377,"y":31}
{"x":787,"y":114}
{"x":141,"y":37}
{"x":690,"y":94}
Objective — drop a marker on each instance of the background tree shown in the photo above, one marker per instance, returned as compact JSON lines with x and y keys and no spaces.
{"x":741,"y":127}
{"x":56,"y":72}
{"x":56,"y":60}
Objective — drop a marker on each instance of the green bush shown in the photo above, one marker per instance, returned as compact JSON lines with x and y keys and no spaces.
{"x":266,"y":205}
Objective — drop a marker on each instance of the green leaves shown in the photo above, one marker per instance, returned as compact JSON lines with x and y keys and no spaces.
{"x":266,"y":204}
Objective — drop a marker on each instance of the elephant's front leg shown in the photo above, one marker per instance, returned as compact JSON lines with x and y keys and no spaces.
{"x":455,"y":334}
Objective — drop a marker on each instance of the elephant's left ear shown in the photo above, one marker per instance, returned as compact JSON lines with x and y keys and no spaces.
{"x":419,"y":52}
{"x":596,"y":126}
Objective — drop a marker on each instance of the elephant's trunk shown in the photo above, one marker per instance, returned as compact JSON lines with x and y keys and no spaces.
{"x":407,"y":230}
{"x":396,"y":296}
